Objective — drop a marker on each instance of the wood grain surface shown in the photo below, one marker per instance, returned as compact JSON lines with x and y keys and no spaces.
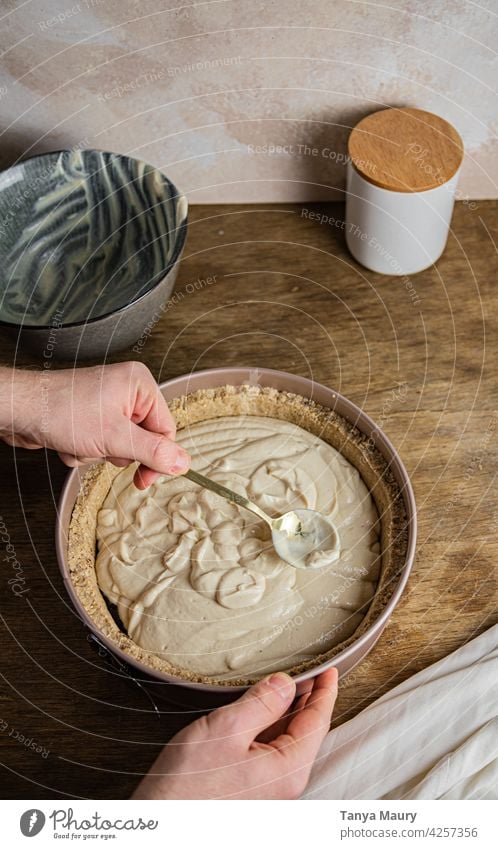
{"x":275,"y":287}
{"x":405,"y":150}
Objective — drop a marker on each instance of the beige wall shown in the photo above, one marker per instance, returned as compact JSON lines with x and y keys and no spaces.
{"x":197,"y":90}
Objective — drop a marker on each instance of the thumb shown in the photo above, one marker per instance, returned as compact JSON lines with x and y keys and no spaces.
{"x":262,"y":705}
{"x":153,"y":450}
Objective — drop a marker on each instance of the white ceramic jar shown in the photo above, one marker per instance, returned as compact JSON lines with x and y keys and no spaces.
{"x":403,"y":170}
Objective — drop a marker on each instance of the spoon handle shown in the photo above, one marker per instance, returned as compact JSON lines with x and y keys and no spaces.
{"x":229,"y":494}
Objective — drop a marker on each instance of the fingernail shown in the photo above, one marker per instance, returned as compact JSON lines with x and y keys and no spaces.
{"x":282,"y":684}
{"x":181,"y":465}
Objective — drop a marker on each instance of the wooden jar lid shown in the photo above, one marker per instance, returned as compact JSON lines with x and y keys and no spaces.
{"x":405,"y":150}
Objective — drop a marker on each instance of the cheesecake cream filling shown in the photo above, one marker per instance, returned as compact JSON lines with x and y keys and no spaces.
{"x":196,"y":579}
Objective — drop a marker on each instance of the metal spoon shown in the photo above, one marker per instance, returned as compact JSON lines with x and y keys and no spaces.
{"x":303,"y":538}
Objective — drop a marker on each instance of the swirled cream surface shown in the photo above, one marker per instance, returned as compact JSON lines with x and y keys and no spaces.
{"x":196,"y":579}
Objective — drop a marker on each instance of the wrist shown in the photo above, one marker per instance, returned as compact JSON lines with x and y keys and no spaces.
{"x":154,"y":788}
{"x":20,"y":398}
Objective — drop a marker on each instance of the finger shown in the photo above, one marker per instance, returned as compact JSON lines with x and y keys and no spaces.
{"x":308,"y":727}
{"x":280,"y":726}
{"x":155,"y":415}
{"x":152,"y":450}
{"x":159,"y":418}
{"x":70,"y":460}
{"x":74,"y":462}
{"x":118,"y":461}
{"x":20,"y":442}
{"x":144,"y":477}
{"x":259,"y":707}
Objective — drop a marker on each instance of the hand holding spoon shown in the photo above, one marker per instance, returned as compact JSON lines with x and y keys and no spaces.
{"x":303,"y":538}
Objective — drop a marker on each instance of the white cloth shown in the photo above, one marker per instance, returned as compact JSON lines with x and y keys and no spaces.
{"x":435,"y":736}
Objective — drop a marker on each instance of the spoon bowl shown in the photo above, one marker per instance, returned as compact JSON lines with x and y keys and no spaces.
{"x":303,"y":538}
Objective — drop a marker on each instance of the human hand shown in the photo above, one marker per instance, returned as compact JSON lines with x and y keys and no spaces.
{"x":254,"y":748}
{"x":115,"y":412}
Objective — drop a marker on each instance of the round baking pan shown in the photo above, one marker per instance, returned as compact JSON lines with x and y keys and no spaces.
{"x":354,"y":653}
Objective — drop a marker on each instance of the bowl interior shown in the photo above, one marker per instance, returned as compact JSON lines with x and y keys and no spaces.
{"x":83,"y":233}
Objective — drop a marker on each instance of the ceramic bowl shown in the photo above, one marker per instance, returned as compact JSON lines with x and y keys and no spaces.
{"x":89,"y":250}
{"x":354,"y":653}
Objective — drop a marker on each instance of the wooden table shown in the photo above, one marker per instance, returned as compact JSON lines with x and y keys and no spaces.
{"x":273,"y":286}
